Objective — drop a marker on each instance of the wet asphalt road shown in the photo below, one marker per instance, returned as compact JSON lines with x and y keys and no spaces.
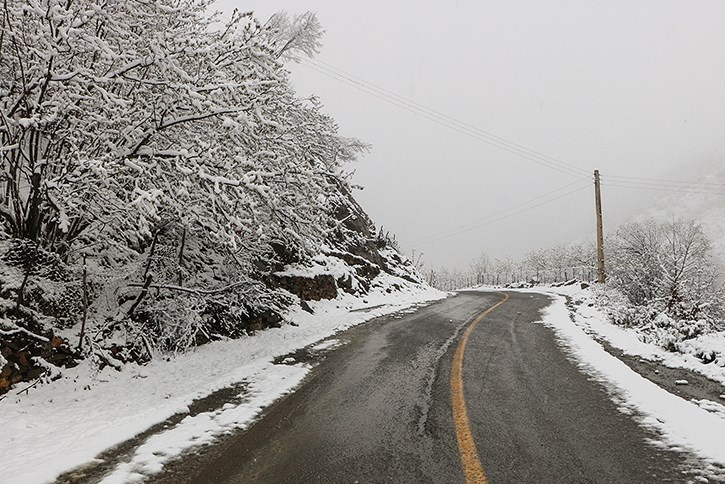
{"x":379,"y":410}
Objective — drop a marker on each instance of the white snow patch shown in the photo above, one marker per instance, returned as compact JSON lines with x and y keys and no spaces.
{"x":270,"y":382}
{"x":326,"y":345}
{"x":321,"y":264}
{"x":712,"y":407}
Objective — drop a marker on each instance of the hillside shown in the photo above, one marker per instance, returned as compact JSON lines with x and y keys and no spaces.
{"x":164,"y":186}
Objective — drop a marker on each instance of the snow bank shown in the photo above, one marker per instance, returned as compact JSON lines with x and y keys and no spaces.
{"x":628,"y":340}
{"x":56,"y":427}
{"x":681,"y":423}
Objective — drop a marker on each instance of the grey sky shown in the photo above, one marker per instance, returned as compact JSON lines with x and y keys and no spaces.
{"x":631,"y":88}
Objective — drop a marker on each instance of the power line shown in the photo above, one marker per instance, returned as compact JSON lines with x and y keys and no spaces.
{"x":663,"y":185}
{"x":451,"y":125}
{"x":503,"y":214}
{"x":416,"y":105}
{"x":453,"y":234}
{"x":484,"y":219}
{"x":661,"y":181}
{"x":519,"y":150}
{"x":500,"y":215}
{"x":472,"y":132}
{"x":662,"y":189}
{"x":445,"y":123}
{"x":715,"y":189}
{"x":477,"y":133}
{"x":448,"y":121}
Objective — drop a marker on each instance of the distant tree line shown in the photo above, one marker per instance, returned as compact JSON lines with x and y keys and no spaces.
{"x":539,"y":266}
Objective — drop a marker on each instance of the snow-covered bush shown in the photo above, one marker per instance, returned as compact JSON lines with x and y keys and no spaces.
{"x":664,"y":281}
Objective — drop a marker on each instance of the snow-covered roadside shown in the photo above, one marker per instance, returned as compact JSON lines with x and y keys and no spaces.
{"x":697,"y":427}
{"x":59,"y":426}
{"x":682,"y":424}
{"x":594,"y":321}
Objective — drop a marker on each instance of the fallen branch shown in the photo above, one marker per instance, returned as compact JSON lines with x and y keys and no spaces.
{"x":29,"y":387}
{"x":19,"y":329}
{"x":110,"y":360}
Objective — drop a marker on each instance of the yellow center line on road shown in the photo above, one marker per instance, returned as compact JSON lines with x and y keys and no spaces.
{"x":471,"y":463}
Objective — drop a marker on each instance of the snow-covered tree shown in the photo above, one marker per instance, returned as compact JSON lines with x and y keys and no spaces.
{"x":125,"y":124}
{"x":504,"y":269}
{"x":537,"y":263}
{"x":480,"y":266}
{"x":667,"y":265}
{"x":296,"y":35}
{"x":118,"y":116}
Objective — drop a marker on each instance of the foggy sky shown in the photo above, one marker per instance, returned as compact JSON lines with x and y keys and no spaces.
{"x":630,"y":88}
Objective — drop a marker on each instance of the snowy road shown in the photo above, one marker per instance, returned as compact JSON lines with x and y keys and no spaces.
{"x":379,"y":409}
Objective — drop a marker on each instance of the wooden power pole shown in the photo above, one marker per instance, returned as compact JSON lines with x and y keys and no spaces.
{"x":600,"y":229}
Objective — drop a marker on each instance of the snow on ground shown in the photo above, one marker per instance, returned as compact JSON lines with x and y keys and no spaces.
{"x":594,"y":321}
{"x":326,"y":345}
{"x":320,"y":264}
{"x":57,"y":427}
{"x":696,"y":426}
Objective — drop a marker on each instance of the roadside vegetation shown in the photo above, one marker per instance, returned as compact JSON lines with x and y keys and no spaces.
{"x":664,"y":282}
{"x":159,"y":173}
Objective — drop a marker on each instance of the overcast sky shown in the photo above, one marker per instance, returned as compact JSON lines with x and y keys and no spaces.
{"x":633,"y":89}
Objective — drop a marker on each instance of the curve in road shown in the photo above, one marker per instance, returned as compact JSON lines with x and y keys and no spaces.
{"x":379,"y":409}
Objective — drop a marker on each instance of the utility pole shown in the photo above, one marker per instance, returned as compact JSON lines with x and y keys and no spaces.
{"x":600,"y":229}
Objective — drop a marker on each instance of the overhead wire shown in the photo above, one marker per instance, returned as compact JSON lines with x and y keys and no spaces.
{"x":336,"y":71}
{"x":480,"y":136}
{"x":503,"y":217}
{"x":484,"y":219}
{"x":663,"y":189}
{"x":666,"y":182}
{"x":662,"y":185}
{"x":519,"y":150}
{"x":367,"y":86}
{"x":468,"y":130}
